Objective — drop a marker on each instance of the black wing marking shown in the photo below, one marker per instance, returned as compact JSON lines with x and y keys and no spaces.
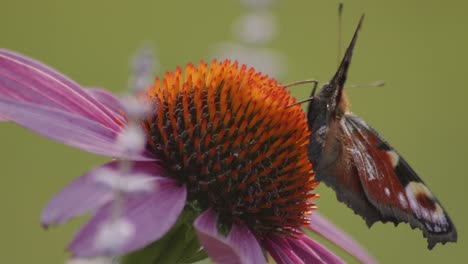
{"x":393,"y":187}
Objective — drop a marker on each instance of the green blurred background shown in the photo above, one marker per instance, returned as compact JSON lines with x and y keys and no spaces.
{"x":417,"y":47}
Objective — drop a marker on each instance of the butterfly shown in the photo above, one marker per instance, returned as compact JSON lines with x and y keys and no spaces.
{"x":367,"y":174}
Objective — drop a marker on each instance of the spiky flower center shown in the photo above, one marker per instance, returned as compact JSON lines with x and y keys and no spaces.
{"x":228,"y":135}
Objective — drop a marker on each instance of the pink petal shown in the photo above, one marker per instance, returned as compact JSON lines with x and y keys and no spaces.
{"x":240,"y":246}
{"x":313,"y":252}
{"x":242,"y":240}
{"x":85,"y":194}
{"x":25,"y":80}
{"x":281,"y":252}
{"x":111,"y":102}
{"x":327,"y":230}
{"x":299,"y":249}
{"x":64,"y":127}
{"x":60,"y":126}
{"x":152,"y":215}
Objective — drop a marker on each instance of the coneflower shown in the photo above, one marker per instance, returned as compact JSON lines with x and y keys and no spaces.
{"x":222,"y":150}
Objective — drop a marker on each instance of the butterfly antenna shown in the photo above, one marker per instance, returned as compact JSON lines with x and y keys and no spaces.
{"x":340,"y":42}
{"x":378,"y":83}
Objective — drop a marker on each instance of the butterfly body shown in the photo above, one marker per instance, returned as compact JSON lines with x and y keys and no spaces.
{"x":367,"y":174}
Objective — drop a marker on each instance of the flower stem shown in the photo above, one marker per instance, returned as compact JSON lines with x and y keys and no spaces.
{"x":179,"y":245}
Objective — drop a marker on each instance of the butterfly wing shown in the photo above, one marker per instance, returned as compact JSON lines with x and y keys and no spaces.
{"x":392,"y":186}
{"x":328,"y":149}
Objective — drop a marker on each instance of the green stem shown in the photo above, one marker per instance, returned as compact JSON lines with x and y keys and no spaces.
{"x":174,"y":249}
{"x":179,"y":245}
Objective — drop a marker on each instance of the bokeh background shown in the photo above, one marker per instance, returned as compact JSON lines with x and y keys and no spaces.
{"x":418,"y":47}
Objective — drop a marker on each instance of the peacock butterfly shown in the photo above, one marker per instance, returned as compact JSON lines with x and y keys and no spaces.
{"x":367,"y":174}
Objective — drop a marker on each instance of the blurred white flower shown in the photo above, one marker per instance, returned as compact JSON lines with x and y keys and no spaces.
{"x":113,"y":235}
{"x":257,"y":4}
{"x":134,"y":183}
{"x":131,"y":140}
{"x":135,"y":108}
{"x":255,"y":28}
{"x":265,"y":60}
{"x":143,"y":66}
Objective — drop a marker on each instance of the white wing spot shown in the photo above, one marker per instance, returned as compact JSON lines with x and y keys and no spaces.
{"x":394,"y":157}
{"x":435,"y":218}
{"x":387,"y":191}
{"x":402,"y":200}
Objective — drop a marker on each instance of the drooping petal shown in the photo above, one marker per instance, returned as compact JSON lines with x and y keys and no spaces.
{"x":281,"y":252}
{"x":298,"y":249}
{"x":215,"y":246}
{"x":327,"y":230}
{"x":311,"y":251}
{"x":151,"y":216}
{"x":81,"y":196}
{"x":242,"y":239}
{"x":66,"y":128}
{"x":87,"y":194}
{"x":25,"y":80}
{"x":240,"y":246}
{"x":110,"y":101}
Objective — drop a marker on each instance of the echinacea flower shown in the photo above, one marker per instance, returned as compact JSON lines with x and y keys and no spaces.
{"x":223,"y":151}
